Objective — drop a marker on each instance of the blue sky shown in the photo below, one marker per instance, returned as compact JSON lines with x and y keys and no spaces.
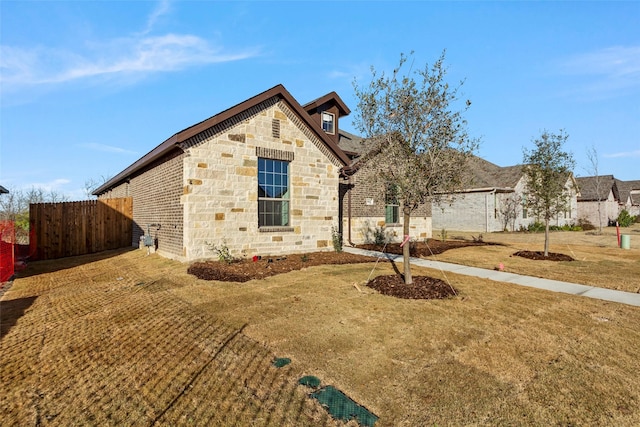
{"x":87,"y":88}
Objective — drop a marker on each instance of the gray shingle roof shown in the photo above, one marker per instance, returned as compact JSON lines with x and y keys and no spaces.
{"x":625,"y":188}
{"x":350,"y":143}
{"x":485,"y":174}
{"x":588,"y":186}
{"x":3,"y":190}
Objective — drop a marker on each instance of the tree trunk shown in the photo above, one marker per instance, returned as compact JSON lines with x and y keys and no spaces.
{"x":599,"y":216}
{"x":546,"y":237}
{"x":406,"y":249}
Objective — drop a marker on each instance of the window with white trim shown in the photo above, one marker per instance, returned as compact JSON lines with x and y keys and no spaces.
{"x":273,"y":193}
{"x":328,"y":122}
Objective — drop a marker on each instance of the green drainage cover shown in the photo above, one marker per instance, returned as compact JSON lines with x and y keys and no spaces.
{"x":340,"y":406}
{"x":310,"y":381}
{"x":281,"y":361}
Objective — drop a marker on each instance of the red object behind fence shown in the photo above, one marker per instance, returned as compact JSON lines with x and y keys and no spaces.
{"x":7,"y":254}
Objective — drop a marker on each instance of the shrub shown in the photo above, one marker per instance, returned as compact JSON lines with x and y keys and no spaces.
{"x":624,"y":219}
{"x":379,"y":236}
{"x":585,"y":224}
{"x":536,"y":227}
{"x":224,"y":255}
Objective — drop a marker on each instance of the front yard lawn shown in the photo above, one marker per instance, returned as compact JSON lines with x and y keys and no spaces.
{"x":122,"y":338}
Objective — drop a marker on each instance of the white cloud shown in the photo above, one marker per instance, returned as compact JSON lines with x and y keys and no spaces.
{"x":162,"y":9}
{"x":54,"y":185}
{"x":136,"y":55}
{"x":611,"y":69}
{"x":625,"y":154}
{"x":106,"y":148}
{"x":123,"y":57}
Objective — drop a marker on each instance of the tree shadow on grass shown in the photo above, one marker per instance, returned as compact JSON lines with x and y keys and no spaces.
{"x":11,"y":311}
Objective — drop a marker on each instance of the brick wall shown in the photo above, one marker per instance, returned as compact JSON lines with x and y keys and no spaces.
{"x":608,"y":211}
{"x":156,"y":192}
{"x":367,"y":201}
{"x":480,"y":212}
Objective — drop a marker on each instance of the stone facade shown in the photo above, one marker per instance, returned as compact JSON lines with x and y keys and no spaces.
{"x":220,"y":186}
{"x":363,"y":213}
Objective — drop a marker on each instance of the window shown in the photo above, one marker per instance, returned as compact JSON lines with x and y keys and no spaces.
{"x":524,"y":206}
{"x":273,"y":193}
{"x":391,"y":208}
{"x":328,"y":121}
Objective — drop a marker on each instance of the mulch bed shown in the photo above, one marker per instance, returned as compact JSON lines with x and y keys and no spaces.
{"x":425,"y":249}
{"x":539,"y":256}
{"x":247,"y":269}
{"x":423,"y":287}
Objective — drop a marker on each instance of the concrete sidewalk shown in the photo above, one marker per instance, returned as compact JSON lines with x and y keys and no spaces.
{"x":516,"y":279}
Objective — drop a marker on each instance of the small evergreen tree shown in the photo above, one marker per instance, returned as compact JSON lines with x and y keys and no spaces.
{"x":547,"y":168}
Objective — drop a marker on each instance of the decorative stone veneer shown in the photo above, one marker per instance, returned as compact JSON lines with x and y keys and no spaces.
{"x":362,"y":229}
{"x":220,"y":186}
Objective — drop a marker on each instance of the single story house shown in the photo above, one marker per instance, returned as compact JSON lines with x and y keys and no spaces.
{"x":260,"y":178}
{"x":613,"y":196}
{"x":598,"y":194}
{"x":494,"y":201}
{"x":629,"y":196}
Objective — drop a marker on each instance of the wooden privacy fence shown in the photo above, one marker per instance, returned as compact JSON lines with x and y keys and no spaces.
{"x":77,"y":228}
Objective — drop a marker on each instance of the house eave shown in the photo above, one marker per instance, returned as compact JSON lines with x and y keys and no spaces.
{"x":173,"y":142}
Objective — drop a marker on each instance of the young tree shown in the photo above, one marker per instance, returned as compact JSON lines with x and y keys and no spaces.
{"x":547,"y":168}
{"x":418,"y":144}
{"x":592,"y":156}
{"x":509,"y":210}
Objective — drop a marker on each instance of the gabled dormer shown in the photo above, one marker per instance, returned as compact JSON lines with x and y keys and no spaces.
{"x":326,"y":111}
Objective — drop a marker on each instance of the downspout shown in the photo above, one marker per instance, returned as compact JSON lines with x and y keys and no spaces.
{"x":486,"y":208}
{"x":486,"y":212}
{"x":349,"y":214}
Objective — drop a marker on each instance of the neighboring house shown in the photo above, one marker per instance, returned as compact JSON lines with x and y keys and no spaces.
{"x":629,"y":196}
{"x":614,"y":196}
{"x":494,"y":191}
{"x":598,"y":192}
{"x":3,"y":190}
{"x":261,"y":178}
{"x":367,"y":209}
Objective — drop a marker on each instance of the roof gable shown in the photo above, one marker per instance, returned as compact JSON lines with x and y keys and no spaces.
{"x":592,"y":190}
{"x":174,"y":142}
{"x":485,"y":174}
{"x":328,"y":99}
{"x":625,"y":188}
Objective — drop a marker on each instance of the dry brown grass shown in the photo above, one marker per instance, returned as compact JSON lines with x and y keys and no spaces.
{"x":92,"y":349}
{"x":599,"y":262}
{"x":107,"y":343}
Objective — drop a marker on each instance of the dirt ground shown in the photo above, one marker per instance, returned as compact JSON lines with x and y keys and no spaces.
{"x":423,"y":287}
{"x":123,"y":338}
